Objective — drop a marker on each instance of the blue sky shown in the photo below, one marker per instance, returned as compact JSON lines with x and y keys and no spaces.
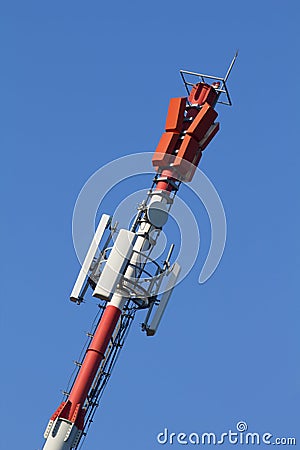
{"x":85,"y":83}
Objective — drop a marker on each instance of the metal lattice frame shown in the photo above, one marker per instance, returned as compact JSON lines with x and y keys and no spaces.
{"x":191,"y":78}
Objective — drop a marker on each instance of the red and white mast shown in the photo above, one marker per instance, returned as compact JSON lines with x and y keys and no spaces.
{"x":115,"y":272}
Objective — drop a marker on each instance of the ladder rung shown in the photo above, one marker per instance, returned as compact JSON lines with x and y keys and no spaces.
{"x":90,"y":335}
{"x":77,"y":363}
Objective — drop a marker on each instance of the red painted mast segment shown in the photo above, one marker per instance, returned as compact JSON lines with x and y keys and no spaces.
{"x":115,"y":273}
{"x":72,"y":410}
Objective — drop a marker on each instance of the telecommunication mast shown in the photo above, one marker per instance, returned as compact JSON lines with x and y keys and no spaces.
{"x":118,"y":268}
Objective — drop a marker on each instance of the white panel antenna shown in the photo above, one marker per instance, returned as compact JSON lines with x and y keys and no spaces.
{"x":173,"y":275}
{"x":116,"y":265}
{"x":78,"y":286}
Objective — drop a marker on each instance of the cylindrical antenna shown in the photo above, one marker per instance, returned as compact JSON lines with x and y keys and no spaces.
{"x":167,"y":261}
{"x":231,"y":66}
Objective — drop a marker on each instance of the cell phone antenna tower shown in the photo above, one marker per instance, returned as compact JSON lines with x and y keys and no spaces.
{"x":118,"y":267}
